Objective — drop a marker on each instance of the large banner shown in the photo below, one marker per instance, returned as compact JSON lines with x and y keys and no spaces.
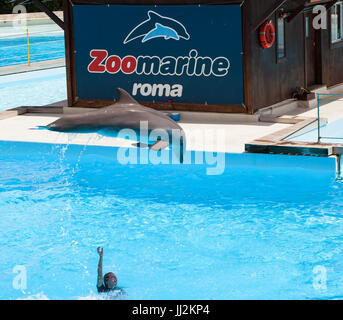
{"x":189,"y":54}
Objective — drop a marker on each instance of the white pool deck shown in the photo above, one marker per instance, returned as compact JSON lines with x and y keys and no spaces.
{"x":204,"y":132}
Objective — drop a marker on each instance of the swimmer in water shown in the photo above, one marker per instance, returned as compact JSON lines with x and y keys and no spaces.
{"x":109,"y":283}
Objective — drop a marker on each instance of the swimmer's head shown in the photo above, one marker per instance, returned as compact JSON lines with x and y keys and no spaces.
{"x":110,"y":280}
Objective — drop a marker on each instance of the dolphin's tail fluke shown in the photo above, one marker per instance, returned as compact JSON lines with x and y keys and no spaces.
{"x":182,"y":148}
{"x":179,"y":148}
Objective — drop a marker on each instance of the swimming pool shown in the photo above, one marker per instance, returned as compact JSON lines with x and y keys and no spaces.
{"x":262,"y":230}
{"x":44,"y":45}
{"x":28,"y":88}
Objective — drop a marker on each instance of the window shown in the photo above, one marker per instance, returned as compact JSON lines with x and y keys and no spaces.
{"x":281,"y":52}
{"x":336,"y":22}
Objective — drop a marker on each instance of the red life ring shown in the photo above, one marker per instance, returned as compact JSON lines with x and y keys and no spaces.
{"x":267,"y":34}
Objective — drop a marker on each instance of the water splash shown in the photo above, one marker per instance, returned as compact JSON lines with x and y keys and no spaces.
{"x":76,"y":168}
{"x":115,"y":295}
{"x":37,"y":296}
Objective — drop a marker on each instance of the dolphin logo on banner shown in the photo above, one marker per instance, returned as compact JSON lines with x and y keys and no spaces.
{"x":157,"y":26}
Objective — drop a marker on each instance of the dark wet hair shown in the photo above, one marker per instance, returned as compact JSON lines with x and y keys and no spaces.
{"x":109,"y":275}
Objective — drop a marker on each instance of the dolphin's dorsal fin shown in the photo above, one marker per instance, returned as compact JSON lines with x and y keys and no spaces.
{"x":125,"y":98}
{"x":159,"y":26}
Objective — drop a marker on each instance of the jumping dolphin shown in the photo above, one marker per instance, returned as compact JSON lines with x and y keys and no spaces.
{"x":126,"y":113}
{"x":172,"y":26}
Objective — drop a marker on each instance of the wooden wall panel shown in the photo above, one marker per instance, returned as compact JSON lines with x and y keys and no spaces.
{"x":272,"y":80}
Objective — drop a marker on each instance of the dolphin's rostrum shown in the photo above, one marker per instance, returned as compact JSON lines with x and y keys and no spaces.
{"x":126,"y":113}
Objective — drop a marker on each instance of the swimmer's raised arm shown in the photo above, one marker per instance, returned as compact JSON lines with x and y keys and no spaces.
{"x":99,"y":282}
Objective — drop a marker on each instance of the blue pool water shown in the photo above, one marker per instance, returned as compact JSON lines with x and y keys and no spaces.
{"x":28,"y":88}
{"x":13,"y":50}
{"x":259,"y":231}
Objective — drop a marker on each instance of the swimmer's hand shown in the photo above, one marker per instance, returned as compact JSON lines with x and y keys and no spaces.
{"x":100,"y":251}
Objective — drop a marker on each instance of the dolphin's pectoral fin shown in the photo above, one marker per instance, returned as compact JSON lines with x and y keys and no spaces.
{"x":140,"y":145}
{"x":159,"y":145}
{"x":180,"y":150}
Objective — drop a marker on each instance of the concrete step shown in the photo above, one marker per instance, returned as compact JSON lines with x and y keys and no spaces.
{"x":280,"y":108}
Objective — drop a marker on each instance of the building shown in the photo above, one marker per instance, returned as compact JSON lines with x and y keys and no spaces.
{"x":200,"y":55}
